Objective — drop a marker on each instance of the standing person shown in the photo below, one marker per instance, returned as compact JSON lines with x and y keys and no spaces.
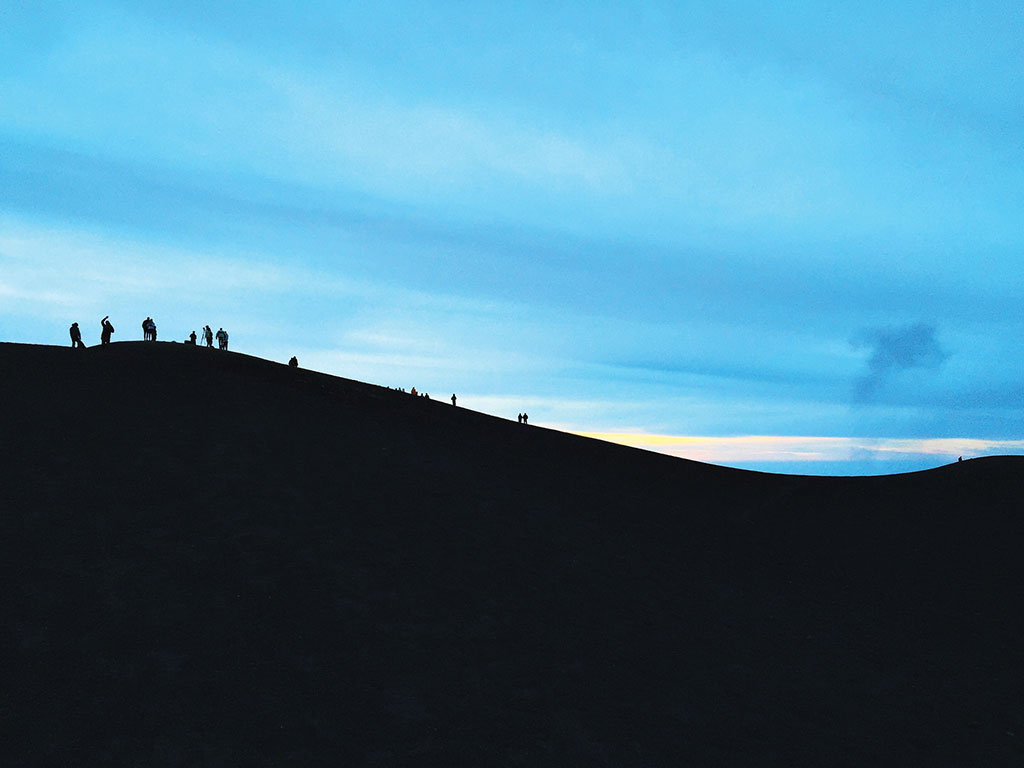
{"x":152,"y":329}
{"x":453,"y":398}
{"x":520,"y":418}
{"x":525,"y":417}
{"x":208,"y":335}
{"x":76,"y":336}
{"x":222,"y":339}
{"x":106,"y":328}
{"x":294,"y":362}
{"x":192,"y":338}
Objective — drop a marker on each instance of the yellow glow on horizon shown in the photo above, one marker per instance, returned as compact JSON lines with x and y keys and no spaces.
{"x":745,"y":448}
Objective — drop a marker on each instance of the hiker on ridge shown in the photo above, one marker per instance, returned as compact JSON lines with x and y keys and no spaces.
{"x":76,"y":336}
{"x":106,"y":328}
{"x":453,"y":398}
{"x":222,"y":339}
{"x":294,"y":362}
{"x":192,"y":338}
{"x":208,"y":335}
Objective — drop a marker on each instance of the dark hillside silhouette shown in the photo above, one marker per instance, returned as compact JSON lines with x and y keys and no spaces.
{"x":258,"y":565}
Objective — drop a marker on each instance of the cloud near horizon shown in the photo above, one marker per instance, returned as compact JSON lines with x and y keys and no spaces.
{"x":866,"y":453}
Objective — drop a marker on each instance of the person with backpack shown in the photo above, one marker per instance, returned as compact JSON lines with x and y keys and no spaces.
{"x":222,"y":339}
{"x":208,"y":335}
{"x":106,"y":328}
{"x":76,"y":336}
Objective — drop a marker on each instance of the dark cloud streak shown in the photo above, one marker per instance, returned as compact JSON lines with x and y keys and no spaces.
{"x":894,"y":349}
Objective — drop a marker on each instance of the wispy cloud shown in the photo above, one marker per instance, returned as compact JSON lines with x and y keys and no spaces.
{"x":748,"y":449}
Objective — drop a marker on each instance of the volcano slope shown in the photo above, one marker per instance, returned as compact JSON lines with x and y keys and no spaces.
{"x":212,"y":559}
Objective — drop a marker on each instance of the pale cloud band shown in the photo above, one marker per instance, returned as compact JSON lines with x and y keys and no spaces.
{"x":786,"y":448}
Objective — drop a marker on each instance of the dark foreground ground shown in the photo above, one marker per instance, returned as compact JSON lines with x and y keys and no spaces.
{"x":212,"y":560}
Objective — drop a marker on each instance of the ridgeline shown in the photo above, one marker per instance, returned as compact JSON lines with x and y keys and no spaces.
{"x":212,"y":559}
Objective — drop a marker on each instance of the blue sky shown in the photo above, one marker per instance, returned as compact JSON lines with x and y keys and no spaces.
{"x":778,"y":236}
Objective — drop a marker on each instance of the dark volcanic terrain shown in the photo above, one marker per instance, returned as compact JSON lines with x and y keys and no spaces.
{"x":210,"y":559}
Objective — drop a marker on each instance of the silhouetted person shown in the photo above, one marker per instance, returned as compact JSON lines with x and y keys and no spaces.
{"x":961,"y":458}
{"x":208,"y":335}
{"x":453,"y":398}
{"x":76,"y":336}
{"x":519,"y":418}
{"x":222,"y":339}
{"x":192,"y":338}
{"x":294,"y":362}
{"x":525,"y":417}
{"x":106,"y":328}
{"x":152,"y":330}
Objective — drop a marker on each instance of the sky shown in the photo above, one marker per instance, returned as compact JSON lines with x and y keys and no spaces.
{"x":777,"y":236}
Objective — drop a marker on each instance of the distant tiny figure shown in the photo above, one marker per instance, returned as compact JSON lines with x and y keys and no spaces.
{"x":145,"y":329}
{"x":294,"y":362}
{"x":152,"y":330}
{"x":192,"y":338}
{"x":413,"y":392}
{"x":453,"y":398}
{"x":106,"y":328}
{"x":222,"y":339}
{"x":76,"y":336}
{"x":960,"y":459}
{"x":519,"y":418}
{"x":525,"y":417}
{"x":208,"y":335}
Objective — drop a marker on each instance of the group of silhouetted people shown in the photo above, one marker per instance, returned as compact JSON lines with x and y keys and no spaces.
{"x":207,"y":336}
{"x":148,"y":334}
